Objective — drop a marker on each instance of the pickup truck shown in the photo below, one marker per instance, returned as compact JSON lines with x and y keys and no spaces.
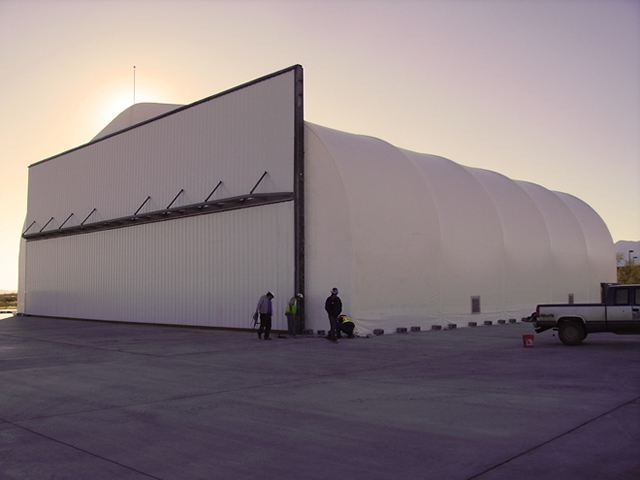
{"x":618,"y":313}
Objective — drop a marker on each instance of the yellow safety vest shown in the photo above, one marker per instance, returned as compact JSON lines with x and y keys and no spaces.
{"x":292,"y":309}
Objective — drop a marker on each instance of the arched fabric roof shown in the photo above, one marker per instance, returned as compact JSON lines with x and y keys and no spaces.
{"x":410,"y":238}
{"x":135,"y":114}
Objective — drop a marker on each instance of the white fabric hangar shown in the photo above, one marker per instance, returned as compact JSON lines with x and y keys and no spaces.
{"x":186,"y":215}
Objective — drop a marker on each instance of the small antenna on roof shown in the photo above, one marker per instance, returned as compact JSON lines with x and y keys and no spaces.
{"x":134,"y":84}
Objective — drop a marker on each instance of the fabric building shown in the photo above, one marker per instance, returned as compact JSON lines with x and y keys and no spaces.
{"x":186,"y":215}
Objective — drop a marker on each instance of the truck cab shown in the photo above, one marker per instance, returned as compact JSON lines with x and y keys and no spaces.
{"x":618,"y":312}
{"x":623,"y":307}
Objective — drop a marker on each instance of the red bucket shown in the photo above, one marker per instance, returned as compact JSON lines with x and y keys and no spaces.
{"x":527,"y":341}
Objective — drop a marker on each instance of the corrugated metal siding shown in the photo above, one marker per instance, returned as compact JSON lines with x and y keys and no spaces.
{"x":207,"y":270}
{"x":233,"y":138}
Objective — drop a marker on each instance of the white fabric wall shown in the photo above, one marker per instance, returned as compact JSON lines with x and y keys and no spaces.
{"x":520,"y":219}
{"x":599,"y":246}
{"x":409,"y":238}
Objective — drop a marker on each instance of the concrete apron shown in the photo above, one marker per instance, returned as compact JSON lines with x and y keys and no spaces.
{"x":91,"y":400}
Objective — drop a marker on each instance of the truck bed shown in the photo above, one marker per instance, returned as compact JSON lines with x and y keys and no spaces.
{"x":594,"y":315}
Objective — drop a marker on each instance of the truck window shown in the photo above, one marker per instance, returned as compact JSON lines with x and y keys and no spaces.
{"x":637,"y":299}
{"x":622,"y":296}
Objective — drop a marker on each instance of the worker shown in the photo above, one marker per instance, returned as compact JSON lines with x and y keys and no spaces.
{"x":346,"y":325}
{"x":291,"y":312}
{"x":333,"y":306}
{"x":265,"y":310}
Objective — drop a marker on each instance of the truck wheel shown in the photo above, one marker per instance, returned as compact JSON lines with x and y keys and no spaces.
{"x":571,"y":333}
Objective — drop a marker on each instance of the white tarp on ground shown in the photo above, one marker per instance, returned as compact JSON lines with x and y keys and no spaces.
{"x":410,"y":238}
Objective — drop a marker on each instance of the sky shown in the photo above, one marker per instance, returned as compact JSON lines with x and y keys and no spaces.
{"x":546,"y":91}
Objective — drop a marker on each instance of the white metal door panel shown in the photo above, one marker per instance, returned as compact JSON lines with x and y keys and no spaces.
{"x":233,"y":137}
{"x":207,"y":270}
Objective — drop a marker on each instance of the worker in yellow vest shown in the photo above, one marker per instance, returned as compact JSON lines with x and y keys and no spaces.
{"x":291,"y":312}
{"x":346,"y":325}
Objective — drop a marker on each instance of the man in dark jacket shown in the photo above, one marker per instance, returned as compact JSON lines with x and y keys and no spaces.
{"x":333,"y":306}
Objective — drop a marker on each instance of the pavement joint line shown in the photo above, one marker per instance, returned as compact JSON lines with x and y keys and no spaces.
{"x":170,"y":355}
{"x":455,"y":389}
{"x":111,"y":349}
{"x":184,"y":397}
{"x":79,"y":449}
{"x":139,"y":404}
{"x":268,"y":385}
{"x":98,"y":347}
{"x":555,"y":438}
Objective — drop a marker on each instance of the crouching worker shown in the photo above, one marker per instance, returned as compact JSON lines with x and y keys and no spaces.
{"x":346,"y":325}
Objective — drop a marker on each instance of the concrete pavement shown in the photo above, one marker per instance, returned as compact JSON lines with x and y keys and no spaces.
{"x":91,"y":400}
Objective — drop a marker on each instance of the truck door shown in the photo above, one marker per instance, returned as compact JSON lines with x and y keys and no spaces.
{"x":619,"y":311}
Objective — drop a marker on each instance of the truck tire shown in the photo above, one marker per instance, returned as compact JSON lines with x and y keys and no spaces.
{"x":572,"y":332}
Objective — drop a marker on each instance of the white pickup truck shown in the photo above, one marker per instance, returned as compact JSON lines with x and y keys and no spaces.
{"x":618,"y":313}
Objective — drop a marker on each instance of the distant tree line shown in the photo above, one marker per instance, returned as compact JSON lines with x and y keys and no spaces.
{"x":629,"y":274}
{"x":8,"y":300}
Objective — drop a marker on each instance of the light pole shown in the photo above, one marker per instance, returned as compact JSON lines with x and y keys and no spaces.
{"x":630,"y":252}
